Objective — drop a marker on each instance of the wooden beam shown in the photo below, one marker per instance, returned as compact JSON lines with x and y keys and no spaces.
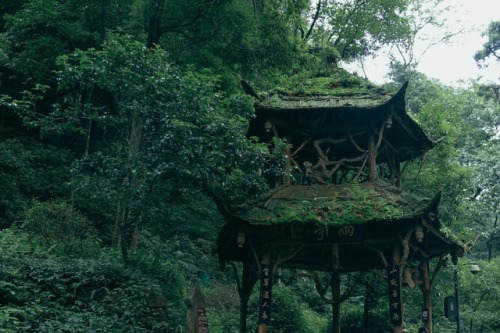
{"x":421,"y":252}
{"x":435,"y":231}
{"x":381,"y":254}
{"x":406,"y":128}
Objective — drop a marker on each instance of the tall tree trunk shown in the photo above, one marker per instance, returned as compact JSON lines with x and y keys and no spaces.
{"x":129,"y":206}
{"x":489,"y":243}
{"x":115,"y":241}
{"x":154,"y":25}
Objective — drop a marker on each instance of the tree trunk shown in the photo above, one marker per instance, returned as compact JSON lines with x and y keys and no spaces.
{"x":154,"y":25}
{"x":129,"y":206}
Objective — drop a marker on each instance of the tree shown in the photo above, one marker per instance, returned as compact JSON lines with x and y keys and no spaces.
{"x":492,"y":46}
{"x":147,"y":121}
{"x":421,"y":15}
{"x":41,"y":31}
{"x":357,"y":28}
{"x":30,"y":171}
{"x":480,"y":297}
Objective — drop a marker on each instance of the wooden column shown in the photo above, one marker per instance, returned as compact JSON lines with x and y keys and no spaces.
{"x":266,"y":284}
{"x":426,"y":289}
{"x":335,"y":289}
{"x":248,"y":280}
{"x":395,"y":286}
{"x":197,"y":321}
{"x":397,"y":166}
{"x":288,"y":176}
{"x":372,"y":155}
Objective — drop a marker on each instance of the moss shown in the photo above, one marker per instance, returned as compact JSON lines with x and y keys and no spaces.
{"x":345,"y":205}
{"x":336,"y":83}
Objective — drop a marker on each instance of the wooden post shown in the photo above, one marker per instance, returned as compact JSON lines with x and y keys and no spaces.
{"x":372,"y":156}
{"x":397,"y":166}
{"x":247,"y":283}
{"x":266,"y":285}
{"x":288,"y":176}
{"x":394,"y":277}
{"x":335,"y":289}
{"x":454,"y":260}
{"x":426,"y":289}
{"x":197,"y":321}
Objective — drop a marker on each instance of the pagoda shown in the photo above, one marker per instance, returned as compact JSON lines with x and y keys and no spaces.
{"x":340,"y":207}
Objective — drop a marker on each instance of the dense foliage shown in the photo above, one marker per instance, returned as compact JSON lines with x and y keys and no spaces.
{"x":120,"y":119}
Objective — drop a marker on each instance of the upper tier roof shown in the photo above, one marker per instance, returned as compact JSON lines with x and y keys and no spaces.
{"x":335,"y":106}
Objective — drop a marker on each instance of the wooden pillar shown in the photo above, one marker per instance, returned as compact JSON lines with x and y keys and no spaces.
{"x":288,"y":176}
{"x":248,"y":280}
{"x":426,"y":289}
{"x":197,"y":321}
{"x":335,"y":289}
{"x":372,"y":155}
{"x":397,"y":167}
{"x":394,"y":277}
{"x":266,"y":284}
{"x":454,"y":259}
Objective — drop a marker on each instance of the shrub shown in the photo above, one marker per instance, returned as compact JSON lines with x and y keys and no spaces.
{"x":60,"y":226}
{"x":286,"y":313}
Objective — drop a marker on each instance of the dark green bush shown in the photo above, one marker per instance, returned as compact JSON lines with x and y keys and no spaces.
{"x":29,"y":169}
{"x":45,"y":293}
{"x":60,"y":226}
{"x":286,"y":314}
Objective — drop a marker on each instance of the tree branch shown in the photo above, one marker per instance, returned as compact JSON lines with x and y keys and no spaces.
{"x":315,"y":19}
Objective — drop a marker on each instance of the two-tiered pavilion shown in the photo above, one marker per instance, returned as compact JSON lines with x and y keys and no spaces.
{"x":340,"y":207}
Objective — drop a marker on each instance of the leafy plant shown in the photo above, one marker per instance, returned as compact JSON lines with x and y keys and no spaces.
{"x":59,"y":225}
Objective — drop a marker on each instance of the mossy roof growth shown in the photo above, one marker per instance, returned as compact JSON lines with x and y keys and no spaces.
{"x":334,"y":83}
{"x":335,"y":205}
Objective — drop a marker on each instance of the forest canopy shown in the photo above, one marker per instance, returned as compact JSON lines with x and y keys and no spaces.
{"x":121,"y":119}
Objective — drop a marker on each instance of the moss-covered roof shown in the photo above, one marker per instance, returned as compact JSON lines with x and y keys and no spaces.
{"x":335,"y":205}
{"x":337,"y":90}
{"x":333,"y":108}
{"x":366,"y":221}
{"x":336,"y":82}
